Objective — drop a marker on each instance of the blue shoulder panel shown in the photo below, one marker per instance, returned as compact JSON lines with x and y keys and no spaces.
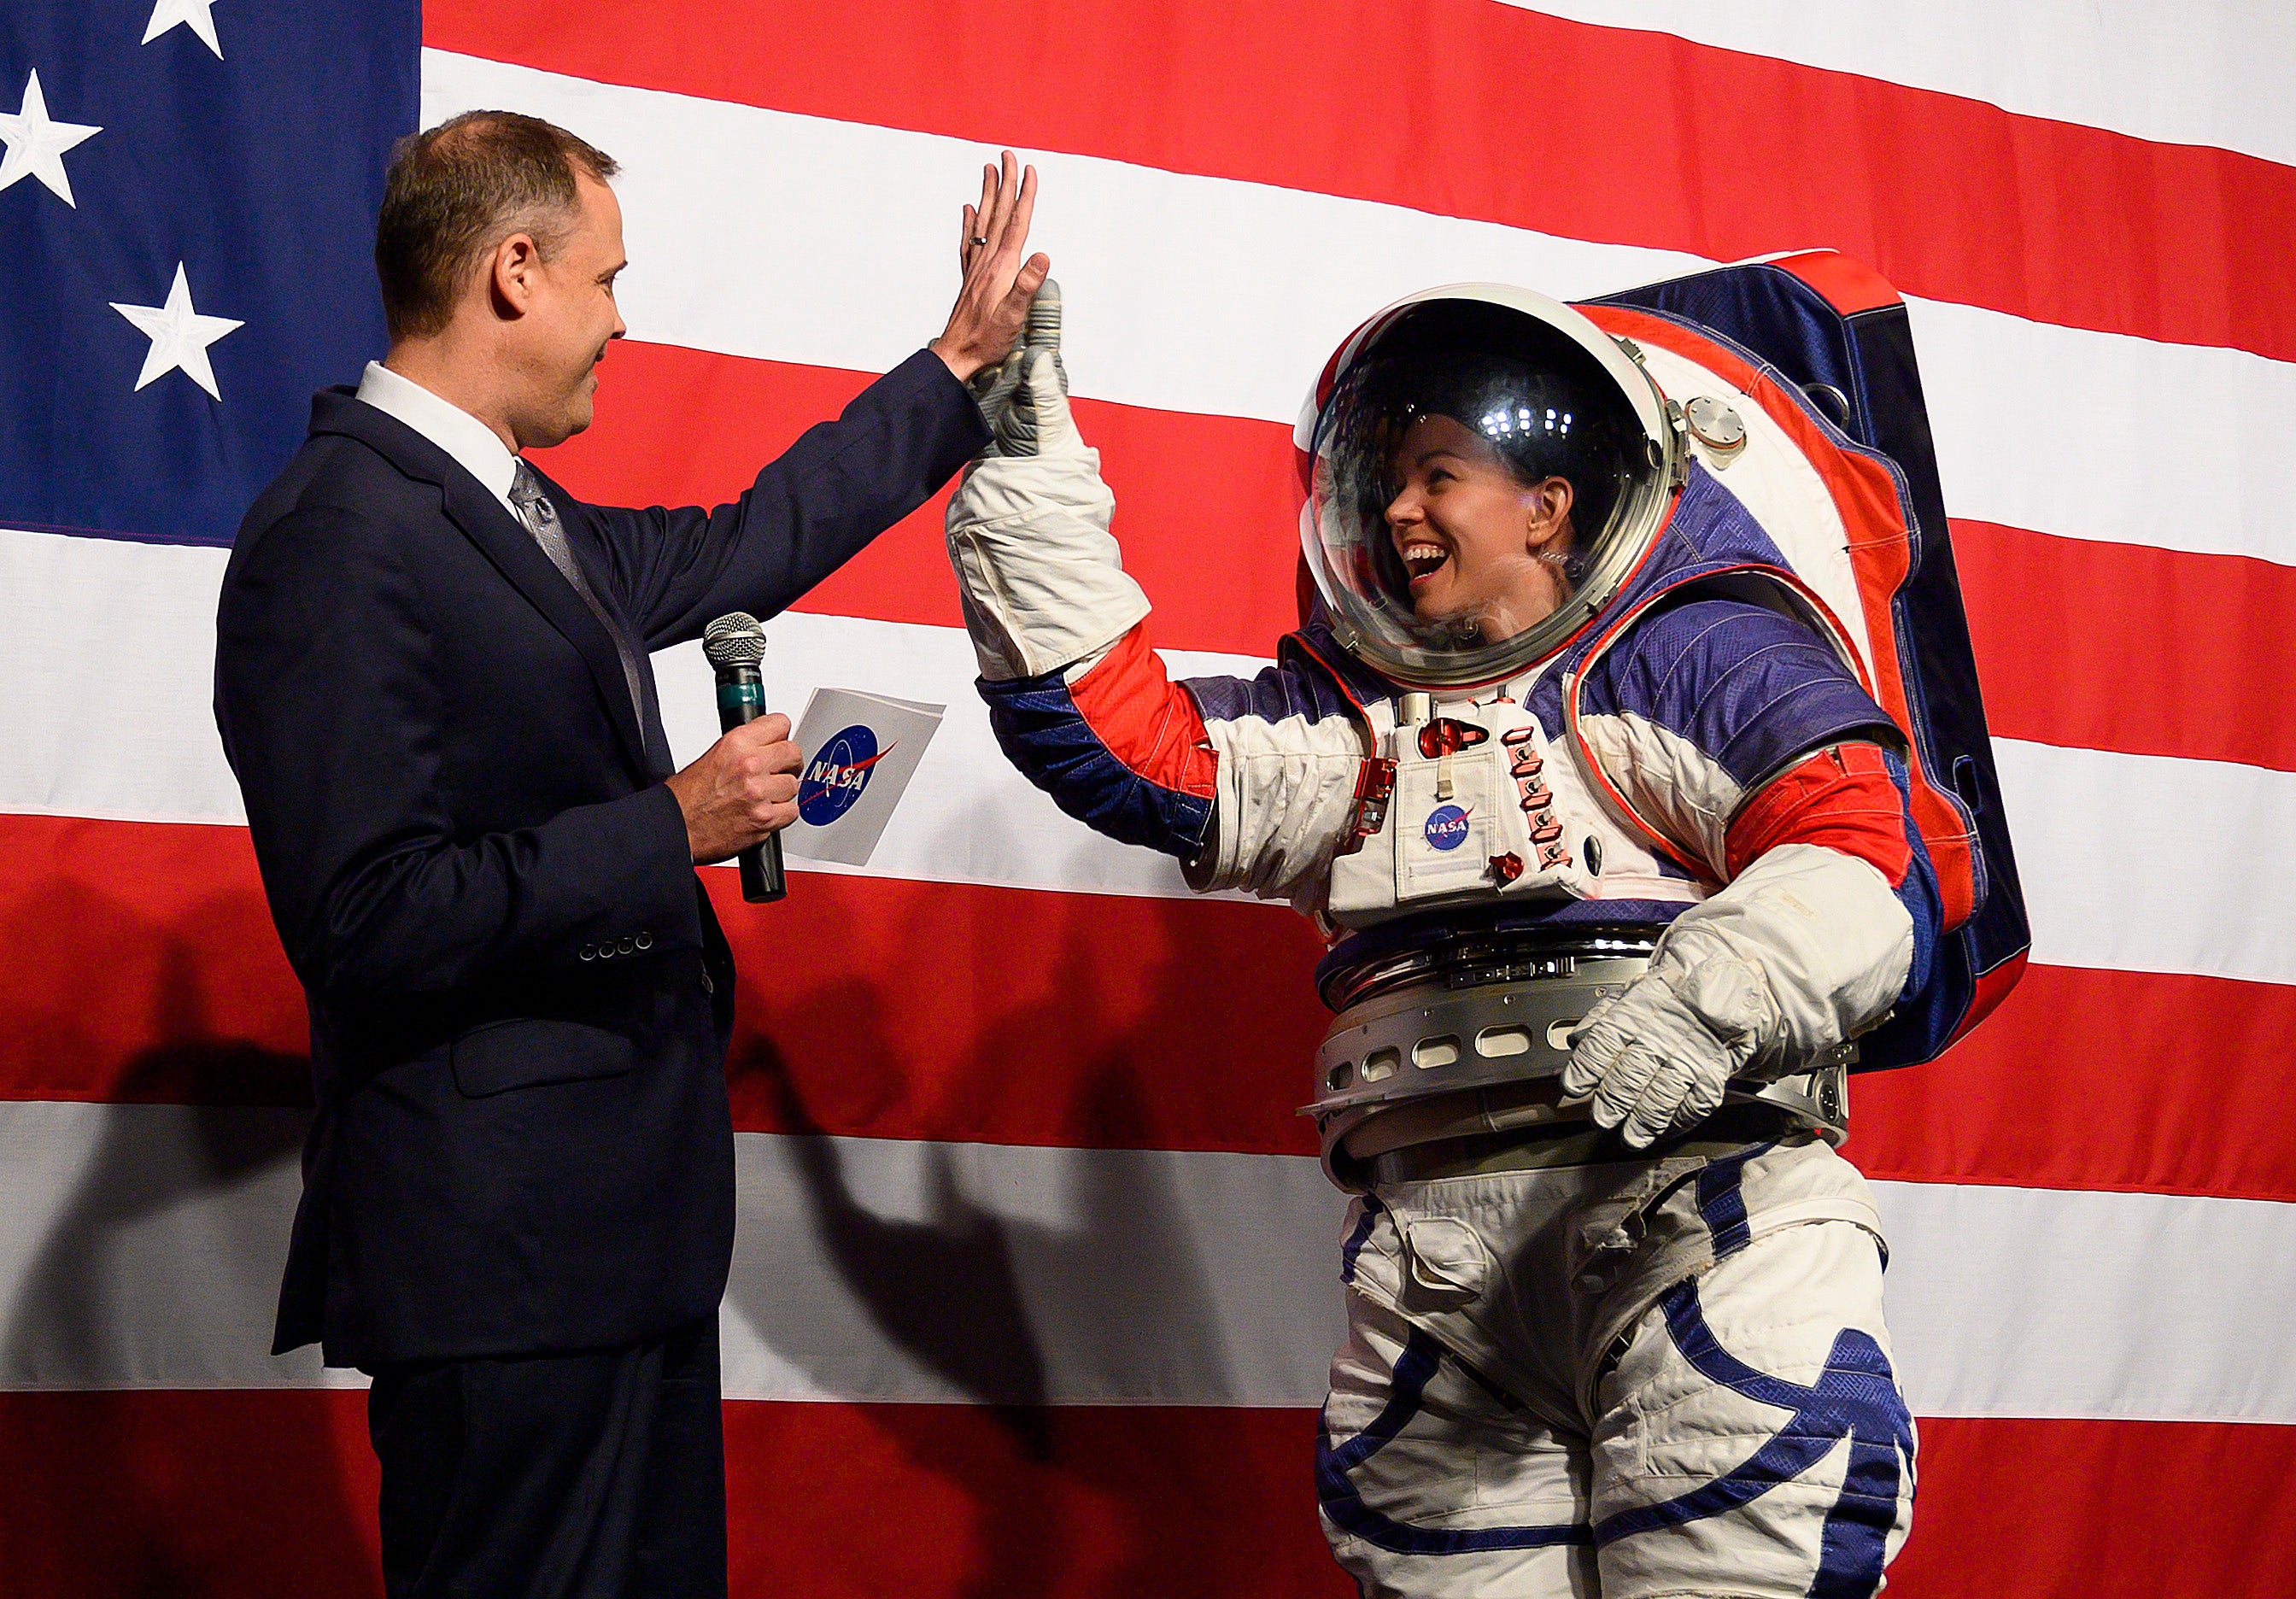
{"x":1750,"y":689}
{"x":1278,"y":693}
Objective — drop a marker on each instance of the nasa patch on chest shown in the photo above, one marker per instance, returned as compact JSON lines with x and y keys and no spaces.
{"x":1446,"y":832}
{"x":1479,"y":809}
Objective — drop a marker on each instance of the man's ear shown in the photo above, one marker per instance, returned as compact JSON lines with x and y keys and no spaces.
{"x":1547,"y":504}
{"x":510,"y":274}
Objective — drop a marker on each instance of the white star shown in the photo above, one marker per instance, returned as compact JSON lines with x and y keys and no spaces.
{"x":198,"y":15}
{"x":179,"y":335}
{"x":37,"y":146}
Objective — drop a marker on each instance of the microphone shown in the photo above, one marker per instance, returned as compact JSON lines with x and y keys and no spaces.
{"x":734,"y":643}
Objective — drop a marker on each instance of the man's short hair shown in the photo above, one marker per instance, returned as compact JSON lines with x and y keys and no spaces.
{"x":455,"y":192}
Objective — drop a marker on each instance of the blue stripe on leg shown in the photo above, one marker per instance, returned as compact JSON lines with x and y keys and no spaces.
{"x":1856,"y":1397}
{"x":1344,"y":1505}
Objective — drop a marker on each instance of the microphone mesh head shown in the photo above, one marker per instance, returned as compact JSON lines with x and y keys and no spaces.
{"x":733,"y":639}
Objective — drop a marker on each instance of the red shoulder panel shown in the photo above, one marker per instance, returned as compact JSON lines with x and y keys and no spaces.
{"x":1841,"y":798}
{"x":1146,"y":720}
{"x":1848,"y":285}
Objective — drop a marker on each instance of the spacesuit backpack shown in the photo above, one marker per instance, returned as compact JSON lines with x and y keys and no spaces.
{"x":1819,"y":345}
{"x":1756,"y":432}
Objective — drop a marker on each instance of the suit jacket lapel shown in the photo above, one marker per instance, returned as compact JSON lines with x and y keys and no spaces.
{"x":506,"y":543}
{"x":511,"y":548}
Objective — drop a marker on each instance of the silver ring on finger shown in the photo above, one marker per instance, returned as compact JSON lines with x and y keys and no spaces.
{"x":980,"y":238}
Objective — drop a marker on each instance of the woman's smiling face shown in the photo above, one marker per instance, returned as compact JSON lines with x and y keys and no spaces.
{"x":1478,"y":543}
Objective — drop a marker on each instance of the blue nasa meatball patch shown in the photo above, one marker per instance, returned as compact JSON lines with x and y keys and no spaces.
{"x":837,"y":773}
{"x":1446,"y":827}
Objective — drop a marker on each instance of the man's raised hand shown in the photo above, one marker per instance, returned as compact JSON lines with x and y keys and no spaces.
{"x":743,"y":788}
{"x":992,"y":305}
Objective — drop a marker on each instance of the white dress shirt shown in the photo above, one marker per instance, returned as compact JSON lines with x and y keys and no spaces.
{"x":475,"y":446}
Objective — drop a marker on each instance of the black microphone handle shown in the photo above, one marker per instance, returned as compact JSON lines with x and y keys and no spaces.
{"x":742,"y":699}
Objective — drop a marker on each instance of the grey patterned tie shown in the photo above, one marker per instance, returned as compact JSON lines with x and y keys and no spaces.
{"x":541,"y":519}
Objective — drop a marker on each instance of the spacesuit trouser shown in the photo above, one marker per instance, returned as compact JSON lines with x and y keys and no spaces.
{"x":1630,"y":1379}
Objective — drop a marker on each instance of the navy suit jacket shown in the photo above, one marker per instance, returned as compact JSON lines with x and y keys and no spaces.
{"x":520,"y":998}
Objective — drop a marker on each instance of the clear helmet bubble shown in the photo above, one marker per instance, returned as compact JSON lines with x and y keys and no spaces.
{"x":1484,"y":466}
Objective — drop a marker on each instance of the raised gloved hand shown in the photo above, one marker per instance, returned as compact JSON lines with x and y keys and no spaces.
{"x":1008,"y":392}
{"x":1041,"y":581}
{"x":1658,"y":1057}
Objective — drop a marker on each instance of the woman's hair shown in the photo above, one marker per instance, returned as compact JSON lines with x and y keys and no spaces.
{"x":1543,"y":403}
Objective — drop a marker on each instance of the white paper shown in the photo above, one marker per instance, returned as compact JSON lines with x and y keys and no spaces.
{"x":860,"y":752}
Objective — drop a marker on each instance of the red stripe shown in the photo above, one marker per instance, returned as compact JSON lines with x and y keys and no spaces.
{"x":1181,"y":480}
{"x":270,"y":1494}
{"x":1506,"y":116}
{"x":260,"y":1493}
{"x":1066,"y":1500}
{"x":2115,"y":646}
{"x":2074,"y":1510}
{"x":146,"y":970}
{"x":2134,"y":1081}
{"x":902,"y":1010}
{"x":2093,"y":645}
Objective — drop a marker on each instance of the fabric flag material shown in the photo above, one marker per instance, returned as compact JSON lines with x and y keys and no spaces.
{"x":1037,"y":1282}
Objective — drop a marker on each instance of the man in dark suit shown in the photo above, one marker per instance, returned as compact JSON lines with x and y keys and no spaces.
{"x":431,"y":679}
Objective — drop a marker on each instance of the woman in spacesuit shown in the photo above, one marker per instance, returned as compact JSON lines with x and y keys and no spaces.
{"x":1613,"y":846}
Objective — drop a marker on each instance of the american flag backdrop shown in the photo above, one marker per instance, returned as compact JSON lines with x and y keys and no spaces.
{"x":1036,"y":1283}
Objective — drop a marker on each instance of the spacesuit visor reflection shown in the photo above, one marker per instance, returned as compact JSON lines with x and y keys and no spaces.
{"x":1466,"y":467}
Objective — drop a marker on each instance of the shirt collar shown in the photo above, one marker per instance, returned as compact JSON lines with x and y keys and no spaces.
{"x":473,"y":445}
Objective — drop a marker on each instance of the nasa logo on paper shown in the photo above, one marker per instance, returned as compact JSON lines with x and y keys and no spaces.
{"x":1446,"y":827}
{"x":837,"y":773}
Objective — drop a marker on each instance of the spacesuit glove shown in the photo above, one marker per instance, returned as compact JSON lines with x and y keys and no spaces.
{"x":1807,"y":948}
{"x":1657,"y":1058}
{"x":993,"y":389}
{"x":1008,"y":392}
{"x":1041,"y":581}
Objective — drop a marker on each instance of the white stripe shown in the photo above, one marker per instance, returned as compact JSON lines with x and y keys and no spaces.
{"x":1206,"y":295}
{"x":2194,"y":72}
{"x":968,"y":816}
{"x":2129,"y":862}
{"x":2147,"y":862}
{"x":140,"y":1247}
{"x":868,"y":1268}
{"x":1188,"y":294}
{"x":109,"y":649}
{"x":2091,"y":435}
{"x":2048,"y":1302}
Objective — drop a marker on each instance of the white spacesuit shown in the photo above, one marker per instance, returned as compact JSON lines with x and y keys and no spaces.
{"x":1583,"y":777}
